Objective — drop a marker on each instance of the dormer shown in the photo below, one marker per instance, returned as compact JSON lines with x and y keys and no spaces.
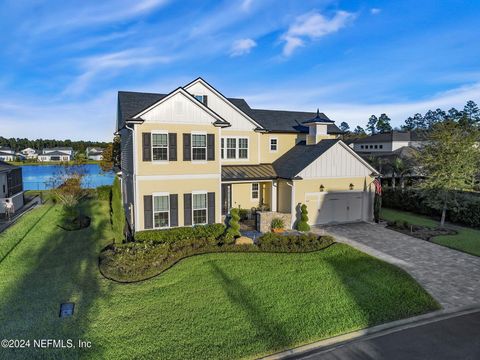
{"x":317,"y":129}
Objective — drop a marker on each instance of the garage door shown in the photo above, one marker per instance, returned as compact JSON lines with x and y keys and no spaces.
{"x":330,"y":208}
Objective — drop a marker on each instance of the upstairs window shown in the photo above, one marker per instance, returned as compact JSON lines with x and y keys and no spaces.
{"x":199,"y":209}
{"x":255,"y":191}
{"x":273,"y":144}
{"x":243,"y":148}
{"x":381,"y":146}
{"x":231,"y":148}
{"x":236,"y":148}
{"x":159,"y":147}
{"x":199,"y":147}
{"x":161,"y":211}
{"x":202,"y":99}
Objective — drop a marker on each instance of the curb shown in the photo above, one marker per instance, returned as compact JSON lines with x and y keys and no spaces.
{"x":372,"y":332}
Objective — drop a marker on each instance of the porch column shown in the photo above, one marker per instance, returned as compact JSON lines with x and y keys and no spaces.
{"x":273,"y":199}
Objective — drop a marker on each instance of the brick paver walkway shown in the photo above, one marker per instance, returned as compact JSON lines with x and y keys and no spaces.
{"x":452,"y":277}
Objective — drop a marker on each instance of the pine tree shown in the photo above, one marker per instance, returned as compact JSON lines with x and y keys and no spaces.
{"x":419,"y":121}
{"x":409,"y":124}
{"x":471,"y":112}
{"x":383,"y":124}
{"x":345,"y":127}
{"x":359,"y":130}
{"x":454,"y":115}
{"x":371,"y":125}
{"x":430,"y":118}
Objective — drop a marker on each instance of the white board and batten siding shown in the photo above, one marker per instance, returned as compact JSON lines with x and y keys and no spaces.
{"x":336,"y":162}
{"x":223,"y":108}
{"x":178,"y":110}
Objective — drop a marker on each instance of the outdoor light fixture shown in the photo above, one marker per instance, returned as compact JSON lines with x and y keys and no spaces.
{"x":351,"y":186}
{"x":322,"y":187}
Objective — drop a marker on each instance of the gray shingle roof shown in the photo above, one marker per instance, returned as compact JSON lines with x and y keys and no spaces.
{"x":54,"y":153}
{"x":394,"y":136}
{"x":248,"y":172}
{"x":6,"y":166}
{"x":300,"y":156}
{"x":131,"y":103}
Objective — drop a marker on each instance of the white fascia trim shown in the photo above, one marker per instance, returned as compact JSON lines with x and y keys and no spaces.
{"x":161,"y":194}
{"x":178,"y":177}
{"x":246,"y":181}
{"x":188,"y":96}
{"x":215,"y":91}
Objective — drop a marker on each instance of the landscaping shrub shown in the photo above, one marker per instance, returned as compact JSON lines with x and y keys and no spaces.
{"x":211,"y":232}
{"x":243,"y":214}
{"x":233,"y":225}
{"x":104,"y":192}
{"x":467,"y":210}
{"x":303,"y":223}
{"x":293,"y":243}
{"x":118,"y":212}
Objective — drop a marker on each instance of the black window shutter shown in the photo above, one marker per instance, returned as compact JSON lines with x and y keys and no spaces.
{"x":187,"y":148}
{"x":172,"y":147}
{"x":147,"y":146}
{"x":148,"y":211}
{"x":173,"y":210}
{"x":205,"y":100}
{"x":210,"y":146}
{"x":187,"y":209}
{"x":211,"y":208}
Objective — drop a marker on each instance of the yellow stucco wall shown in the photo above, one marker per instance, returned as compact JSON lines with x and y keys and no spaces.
{"x":242,"y":195}
{"x":178,"y":167}
{"x":330,"y":184}
{"x":284,"y":193}
{"x":284,"y":143}
{"x":180,"y":187}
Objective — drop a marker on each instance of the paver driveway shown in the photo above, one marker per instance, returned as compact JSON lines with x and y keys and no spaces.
{"x":452,"y":277}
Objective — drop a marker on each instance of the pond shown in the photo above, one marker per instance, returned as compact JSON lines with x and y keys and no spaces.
{"x":40,"y":177}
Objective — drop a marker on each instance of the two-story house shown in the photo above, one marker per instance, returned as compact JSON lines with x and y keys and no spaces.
{"x":389,"y":142}
{"x":190,"y":156}
{"x":7,"y":154}
{"x":29,"y":153}
{"x":56,"y":154}
{"x":94,"y":153}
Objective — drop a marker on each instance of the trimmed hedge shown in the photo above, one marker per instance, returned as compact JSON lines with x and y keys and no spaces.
{"x":118,"y":212}
{"x":467,"y":212}
{"x":169,"y":236}
{"x":104,"y":192}
{"x":132,"y":262}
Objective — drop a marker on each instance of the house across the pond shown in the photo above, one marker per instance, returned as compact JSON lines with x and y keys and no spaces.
{"x":94,"y":153}
{"x":56,"y":154}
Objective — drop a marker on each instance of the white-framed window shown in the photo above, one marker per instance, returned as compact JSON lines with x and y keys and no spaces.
{"x":161,"y":211}
{"x":199,"y":147}
{"x":243,"y":148}
{"x":160,"y":146}
{"x":231,"y":148}
{"x":273,"y":144}
{"x":201,"y":98}
{"x":199,"y":208}
{"x":255,"y":191}
{"x":234,"y":148}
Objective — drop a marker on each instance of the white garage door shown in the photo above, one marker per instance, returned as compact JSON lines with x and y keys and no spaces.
{"x":330,"y":208}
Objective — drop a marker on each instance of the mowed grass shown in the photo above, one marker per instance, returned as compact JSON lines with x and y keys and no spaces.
{"x":467,"y":239}
{"x":215,"y":306}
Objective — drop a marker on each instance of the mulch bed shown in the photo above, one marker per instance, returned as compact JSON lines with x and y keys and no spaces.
{"x":80,"y":222}
{"x":422,"y":232}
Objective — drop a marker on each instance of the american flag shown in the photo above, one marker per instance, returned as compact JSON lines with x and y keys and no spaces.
{"x":378,"y":186}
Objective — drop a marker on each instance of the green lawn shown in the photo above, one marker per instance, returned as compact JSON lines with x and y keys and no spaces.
{"x":467,"y":239}
{"x":215,"y":306}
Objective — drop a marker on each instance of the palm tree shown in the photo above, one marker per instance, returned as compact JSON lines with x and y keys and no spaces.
{"x":400,"y":168}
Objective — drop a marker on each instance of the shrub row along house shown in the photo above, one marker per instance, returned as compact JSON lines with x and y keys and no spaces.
{"x":190,"y":156}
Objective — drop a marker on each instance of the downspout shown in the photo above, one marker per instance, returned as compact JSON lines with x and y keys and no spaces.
{"x":292,"y":203}
{"x":134,"y":175}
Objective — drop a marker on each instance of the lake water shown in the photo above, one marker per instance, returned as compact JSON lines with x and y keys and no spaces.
{"x":39,"y":177}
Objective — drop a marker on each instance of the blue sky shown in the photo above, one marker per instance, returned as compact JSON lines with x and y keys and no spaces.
{"x":63,"y":61}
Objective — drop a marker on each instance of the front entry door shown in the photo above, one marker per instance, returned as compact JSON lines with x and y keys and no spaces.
{"x":226,"y":198}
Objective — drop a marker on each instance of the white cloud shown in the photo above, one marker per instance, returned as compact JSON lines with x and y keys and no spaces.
{"x":375,"y":11}
{"x":246,"y":4}
{"x":104,"y":65}
{"x":242,"y":47}
{"x":313,"y":26}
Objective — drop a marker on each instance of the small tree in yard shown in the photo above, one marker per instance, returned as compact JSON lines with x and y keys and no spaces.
{"x":450,"y":163}
{"x":233,"y":225}
{"x":303,"y":223}
{"x":67,"y":188}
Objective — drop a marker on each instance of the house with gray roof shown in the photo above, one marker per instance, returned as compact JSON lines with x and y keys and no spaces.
{"x":56,"y":154}
{"x":11,"y":186}
{"x":389,"y":142}
{"x":188,"y":157}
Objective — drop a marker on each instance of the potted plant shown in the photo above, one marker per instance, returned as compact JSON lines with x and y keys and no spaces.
{"x":278,"y":225}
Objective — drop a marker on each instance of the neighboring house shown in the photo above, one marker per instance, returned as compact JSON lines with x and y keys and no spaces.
{"x":7,"y":154}
{"x":389,"y":141}
{"x":190,"y":156}
{"x":11,"y":186}
{"x":94,"y":153}
{"x":56,"y":154}
{"x":29,"y":153}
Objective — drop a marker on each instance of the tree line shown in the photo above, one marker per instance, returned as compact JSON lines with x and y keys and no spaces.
{"x":470,"y":115}
{"x":18,"y":144}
